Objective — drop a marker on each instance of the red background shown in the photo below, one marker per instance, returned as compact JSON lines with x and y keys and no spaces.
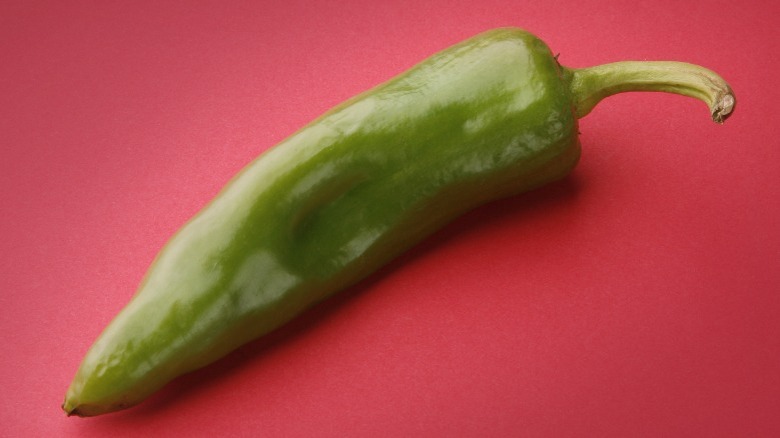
{"x":639,"y":297}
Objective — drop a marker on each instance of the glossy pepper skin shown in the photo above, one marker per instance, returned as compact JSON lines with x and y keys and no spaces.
{"x":488,"y":118}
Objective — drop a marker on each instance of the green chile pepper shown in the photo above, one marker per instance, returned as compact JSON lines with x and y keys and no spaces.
{"x":490,"y":117}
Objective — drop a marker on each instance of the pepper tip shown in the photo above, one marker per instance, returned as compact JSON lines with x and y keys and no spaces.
{"x":70,"y":409}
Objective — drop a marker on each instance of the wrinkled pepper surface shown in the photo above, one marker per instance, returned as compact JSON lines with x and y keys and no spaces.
{"x":488,"y":118}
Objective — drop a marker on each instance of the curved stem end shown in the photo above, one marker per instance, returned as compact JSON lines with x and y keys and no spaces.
{"x":590,"y":85}
{"x":723,"y":107}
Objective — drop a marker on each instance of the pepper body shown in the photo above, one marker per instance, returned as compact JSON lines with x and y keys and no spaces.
{"x":484,"y":119}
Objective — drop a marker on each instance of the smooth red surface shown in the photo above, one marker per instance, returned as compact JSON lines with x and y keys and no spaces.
{"x":639,"y":297}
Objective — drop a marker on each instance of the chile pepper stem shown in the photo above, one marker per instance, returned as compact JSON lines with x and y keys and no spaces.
{"x":590,"y":85}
